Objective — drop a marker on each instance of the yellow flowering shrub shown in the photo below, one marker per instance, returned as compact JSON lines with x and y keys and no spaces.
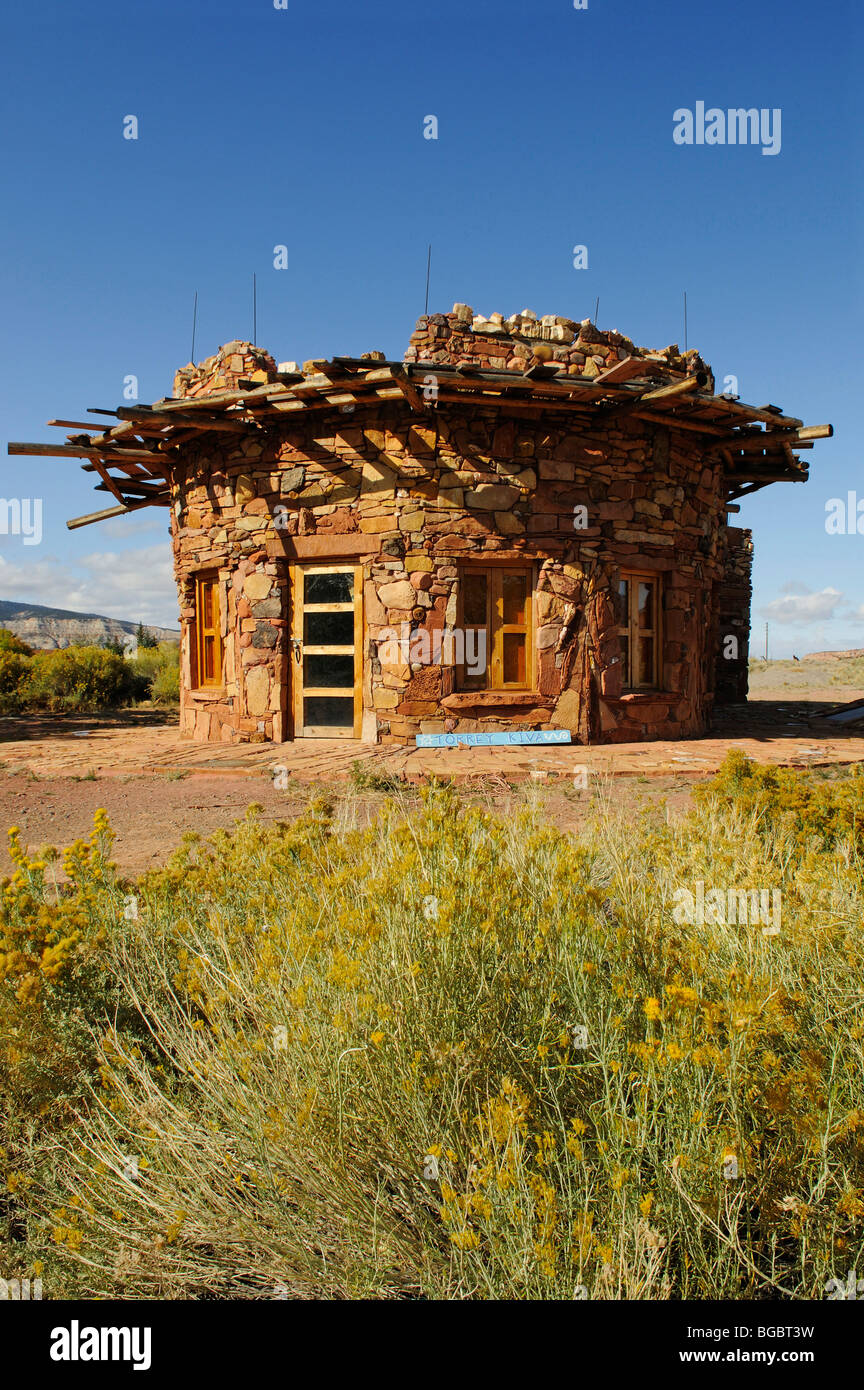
{"x":52,"y":949}
{"x":464,"y":1056}
{"x":824,"y":811}
{"x":55,"y":989}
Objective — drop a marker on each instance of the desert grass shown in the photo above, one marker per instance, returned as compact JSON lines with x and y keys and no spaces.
{"x":452,"y":1054}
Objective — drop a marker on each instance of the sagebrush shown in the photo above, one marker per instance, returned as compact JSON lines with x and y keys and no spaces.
{"x":452,"y":1055}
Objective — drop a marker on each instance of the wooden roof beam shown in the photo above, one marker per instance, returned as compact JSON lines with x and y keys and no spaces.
{"x":755,"y":487}
{"x":753,"y":412}
{"x":134,"y":485}
{"x":509,"y":403}
{"x":107,"y":480}
{"x":81,"y":451}
{"x":410,"y":392}
{"x":88,"y":425}
{"x":697,"y":382}
{"x":90,"y":517}
{"x":216,"y":399}
{"x":637,"y":399}
{"x":149,"y":415}
{"x":768,"y":439}
{"x":628,"y":369}
{"x":675,"y":422}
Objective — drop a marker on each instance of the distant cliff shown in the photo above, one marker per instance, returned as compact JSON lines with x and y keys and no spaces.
{"x":44,"y":628}
{"x":834,"y":656}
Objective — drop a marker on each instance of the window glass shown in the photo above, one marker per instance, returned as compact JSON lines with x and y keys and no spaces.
{"x":514,"y":661}
{"x":208,"y":637}
{"x":496,"y":602}
{"x":328,"y":629}
{"x":645,"y":612}
{"x":474,"y":599}
{"x":638,"y":631}
{"x":329,"y":588}
{"x":329,"y":670}
{"x":328,"y":711}
{"x":624,"y":602}
{"x":645,"y":673}
{"x":514,"y":597}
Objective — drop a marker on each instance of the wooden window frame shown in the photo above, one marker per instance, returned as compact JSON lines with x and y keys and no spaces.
{"x":497,"y":629}
{"x":633,"y":632}
{"x":208,"y":579}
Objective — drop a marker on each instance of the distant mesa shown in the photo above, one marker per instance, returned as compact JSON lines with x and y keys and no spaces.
{"x":834,"y":656}
{"x":48,"y":628}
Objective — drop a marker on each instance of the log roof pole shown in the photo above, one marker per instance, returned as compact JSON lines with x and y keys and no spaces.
{"x":642,"y":388}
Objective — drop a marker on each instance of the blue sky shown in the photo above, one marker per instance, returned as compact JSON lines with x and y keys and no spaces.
{"x":304,"y":127}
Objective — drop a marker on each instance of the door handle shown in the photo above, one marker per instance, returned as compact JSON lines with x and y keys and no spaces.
{"x":297,"y":647}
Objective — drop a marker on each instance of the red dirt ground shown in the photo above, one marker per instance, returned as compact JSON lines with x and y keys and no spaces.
{"x":55,"y":771}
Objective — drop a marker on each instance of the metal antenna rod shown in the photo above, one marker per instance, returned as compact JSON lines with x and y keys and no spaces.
{"x":194,"y":325}
{"x":685,"y":320}
{"x":596,"y":309}
{"x":428,"y":269}
{"x":254,"y":309}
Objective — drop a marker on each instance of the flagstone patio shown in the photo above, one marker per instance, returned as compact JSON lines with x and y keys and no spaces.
{"x":75,"y":747}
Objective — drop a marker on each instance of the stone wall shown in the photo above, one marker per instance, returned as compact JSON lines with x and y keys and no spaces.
{"x":579,"y":349}
{"x":411,"y":498}
{"x":233,"y":363}
{"x":733,"y":617}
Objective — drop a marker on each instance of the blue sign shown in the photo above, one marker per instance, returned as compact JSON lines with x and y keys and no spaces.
{"x":493,"y":740}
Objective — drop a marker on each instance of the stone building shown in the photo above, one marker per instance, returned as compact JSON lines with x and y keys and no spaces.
{"x":521,"y":526}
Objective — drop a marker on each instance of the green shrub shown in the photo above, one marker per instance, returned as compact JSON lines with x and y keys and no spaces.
{"x":14,"y":676}
{"x":79,"y":678}
{"x":165,"y":689}
{"x":146,"y":663}
{"x":367,"y":1075}
{"x":10,"y":643}
{"x":157,"y":669}
{"x":779,"y":798}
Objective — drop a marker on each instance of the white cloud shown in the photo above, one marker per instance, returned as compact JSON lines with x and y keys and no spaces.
{"x":130,"y":584}
{"x":803,"y":609}
{"x":122,"y":526}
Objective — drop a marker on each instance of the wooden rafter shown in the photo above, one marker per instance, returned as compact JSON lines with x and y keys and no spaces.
{"x":143,"y":442}
{"x":92,"y":517}
{"x":107,"y":480}
{"x":410,"y":392}
{"x":80,"y":451}
{"x":150,"y":416}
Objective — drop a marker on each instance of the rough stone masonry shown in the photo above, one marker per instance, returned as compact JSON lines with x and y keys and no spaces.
{"x":417,"y":493}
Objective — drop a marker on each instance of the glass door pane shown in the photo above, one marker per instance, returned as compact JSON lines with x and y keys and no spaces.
{"x":325,"y":659}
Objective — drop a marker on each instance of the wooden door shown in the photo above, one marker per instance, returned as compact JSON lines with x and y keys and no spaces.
{"x":326,"y":650}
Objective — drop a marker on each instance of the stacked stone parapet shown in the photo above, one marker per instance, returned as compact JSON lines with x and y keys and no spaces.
{"x":579,"y":348}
